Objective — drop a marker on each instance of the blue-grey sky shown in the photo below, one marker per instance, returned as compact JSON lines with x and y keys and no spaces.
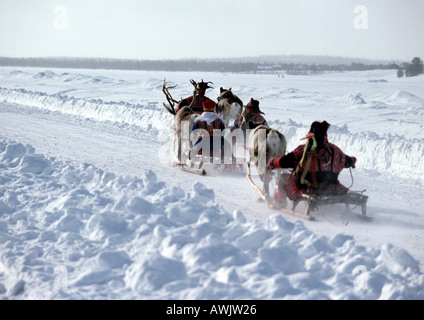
{"x":167,"y":29}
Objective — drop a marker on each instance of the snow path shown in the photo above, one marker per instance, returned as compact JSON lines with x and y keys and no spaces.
{"x":116,"y":142}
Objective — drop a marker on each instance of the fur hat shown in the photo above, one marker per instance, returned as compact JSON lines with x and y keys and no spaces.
{"x":209,"y":105}
{"x":319,"y":131}
{"x":253,"y":106}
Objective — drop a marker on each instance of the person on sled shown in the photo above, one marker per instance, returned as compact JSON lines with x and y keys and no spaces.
{"x":316,"y":167}
{"x":200,"y":98}
{"x":251,"y":117}
{"x":209,"y":120}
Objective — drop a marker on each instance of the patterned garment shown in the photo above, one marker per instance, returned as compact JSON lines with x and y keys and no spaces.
{"x":322,"y":175}
{"x":198,"y":105}
{"x":209,"y":121}
{"x":253,"y":119}
{"x":295,"y":191}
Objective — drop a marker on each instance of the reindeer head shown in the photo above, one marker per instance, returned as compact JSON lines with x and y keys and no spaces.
{"x":201,"y":86}
{"x":221,"y":90}
{"x":225,"y":93}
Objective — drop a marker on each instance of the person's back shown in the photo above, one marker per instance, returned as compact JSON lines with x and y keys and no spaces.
{"x":252,"y":117}
{"x":209,"y":121}
{"x":316,"y":165}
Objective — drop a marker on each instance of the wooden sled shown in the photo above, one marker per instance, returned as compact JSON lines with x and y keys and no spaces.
{"x":216,"y":169}
{"x":188,"y":166}
{"x":314,"y":202}
{"x":213,"y":166}
{"x":189,"y":169}
{"x":356,"y":199}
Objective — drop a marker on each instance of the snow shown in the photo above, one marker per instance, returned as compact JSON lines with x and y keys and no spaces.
{"x":91,"y":207}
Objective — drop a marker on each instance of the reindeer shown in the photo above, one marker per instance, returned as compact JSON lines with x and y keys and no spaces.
{"x":184,"y":115}
{"x":229,"y":106}
{"x":264,"y":143}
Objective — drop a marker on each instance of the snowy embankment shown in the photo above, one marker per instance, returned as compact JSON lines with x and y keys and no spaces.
{"x":121,"y":112}
{"x":80,"y":232}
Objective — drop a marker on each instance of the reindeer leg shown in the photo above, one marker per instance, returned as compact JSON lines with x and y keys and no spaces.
{"x":267,"y":180}
{"x":177,"y":159}
{"x":179,"y":149}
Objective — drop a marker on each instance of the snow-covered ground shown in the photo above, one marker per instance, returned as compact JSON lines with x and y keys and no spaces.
{"x":91,"y":207}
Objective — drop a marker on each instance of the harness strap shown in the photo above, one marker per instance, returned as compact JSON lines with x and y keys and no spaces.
{"x":308,"y":154}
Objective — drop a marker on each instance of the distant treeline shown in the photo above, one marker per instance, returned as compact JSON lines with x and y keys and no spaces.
{"x":188,"y":65}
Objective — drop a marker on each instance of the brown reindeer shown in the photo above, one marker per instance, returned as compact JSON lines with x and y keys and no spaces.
{"x":229,"y":106}
{"x":183,"y":119}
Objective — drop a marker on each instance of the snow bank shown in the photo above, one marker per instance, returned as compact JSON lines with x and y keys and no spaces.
{"x":147,"y":117}
{"x":388,"y":154}
{"x":51,"y":75}
{"x":79,"y":232}
{"x":398,"y":102}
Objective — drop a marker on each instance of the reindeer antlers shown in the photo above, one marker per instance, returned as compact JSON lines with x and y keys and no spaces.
{"x":197,"y":85}
{"x":168,"y":96}
{"x":172,"y":102}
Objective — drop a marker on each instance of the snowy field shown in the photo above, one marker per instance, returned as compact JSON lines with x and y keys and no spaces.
{"x":91,"y":207}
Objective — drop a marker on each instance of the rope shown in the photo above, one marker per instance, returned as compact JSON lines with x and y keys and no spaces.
{"x":231,"y":108}
{"x":351,"y":176}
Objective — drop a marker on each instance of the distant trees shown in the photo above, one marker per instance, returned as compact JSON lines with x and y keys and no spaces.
{"x":415,"y":68}
{"x":131,"y":64}
{"x":209,"y":65}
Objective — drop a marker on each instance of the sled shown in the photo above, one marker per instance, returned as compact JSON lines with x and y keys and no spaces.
{"x":212,"y":166}
{"x":216,"y":169}
{"x":357,"y":199}
{"x":314,"y":202}
{"x":234,"y":167}
{"x":190,"y":169}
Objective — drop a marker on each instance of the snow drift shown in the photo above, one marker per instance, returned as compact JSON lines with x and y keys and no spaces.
{"x":79,"y":232}
{"x":119,"y":112}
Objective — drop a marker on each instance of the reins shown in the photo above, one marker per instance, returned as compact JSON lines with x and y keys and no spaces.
{"x":351,"y":176}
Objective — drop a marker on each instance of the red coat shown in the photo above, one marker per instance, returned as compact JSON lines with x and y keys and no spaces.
{"x":198,"y":105}
{"x":255,"y":118}
{"x":321,"y":178}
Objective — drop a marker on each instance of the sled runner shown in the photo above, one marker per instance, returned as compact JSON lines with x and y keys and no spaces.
{"x":189,"y":169}
{"x":314,"y":202}
{"x":224,"y":169}
{"x":211,"y":168}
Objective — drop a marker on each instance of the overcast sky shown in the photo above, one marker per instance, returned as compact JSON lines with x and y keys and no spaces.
{"x":167,"y":29}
